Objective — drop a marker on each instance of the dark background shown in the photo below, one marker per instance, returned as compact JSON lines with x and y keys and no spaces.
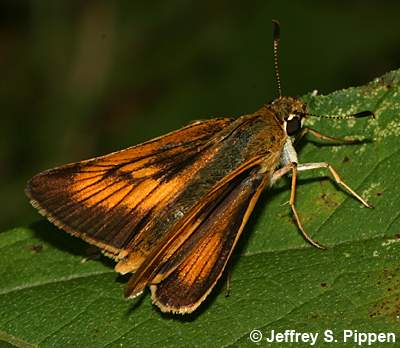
{"x":83,"y":78}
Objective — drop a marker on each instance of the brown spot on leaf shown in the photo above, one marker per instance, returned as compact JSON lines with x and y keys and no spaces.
{"x":328,"y":200}
{"x":36,"y":248}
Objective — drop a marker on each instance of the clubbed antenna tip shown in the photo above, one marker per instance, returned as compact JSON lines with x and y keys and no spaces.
{"x":346,"y":117}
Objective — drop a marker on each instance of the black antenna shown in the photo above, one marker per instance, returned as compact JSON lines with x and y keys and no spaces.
{"x":276,"y":34}
{"x":345,"y":117}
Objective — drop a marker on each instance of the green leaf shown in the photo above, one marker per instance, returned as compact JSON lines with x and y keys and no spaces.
{"x":53,"y":295}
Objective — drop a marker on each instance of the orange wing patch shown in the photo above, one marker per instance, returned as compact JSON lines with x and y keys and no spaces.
{"x":201,"y":262}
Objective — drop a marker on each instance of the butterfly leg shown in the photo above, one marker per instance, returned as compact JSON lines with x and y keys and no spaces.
{"x":319,"y":135}
{"x":338,"y":179}
{"x":228,"y":283}
{"x":292,"y":167}
{"x":289,"y":161}
{"x":294,"y":211}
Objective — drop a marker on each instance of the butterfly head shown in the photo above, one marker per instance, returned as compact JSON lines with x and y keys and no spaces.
{"x":290,"y":111}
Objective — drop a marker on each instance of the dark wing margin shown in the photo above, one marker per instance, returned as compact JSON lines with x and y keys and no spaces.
{"x":108,"y":199}
{"x":183,"y":280}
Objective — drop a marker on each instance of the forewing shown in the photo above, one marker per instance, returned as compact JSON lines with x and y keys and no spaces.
{"x":108,"y":199}
{"x":210,"y":245}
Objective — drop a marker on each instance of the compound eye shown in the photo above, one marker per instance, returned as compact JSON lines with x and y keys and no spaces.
{"x":293,"y":125}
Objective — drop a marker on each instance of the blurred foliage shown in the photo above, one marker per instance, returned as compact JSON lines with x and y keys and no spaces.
{"x":83,"y":78}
